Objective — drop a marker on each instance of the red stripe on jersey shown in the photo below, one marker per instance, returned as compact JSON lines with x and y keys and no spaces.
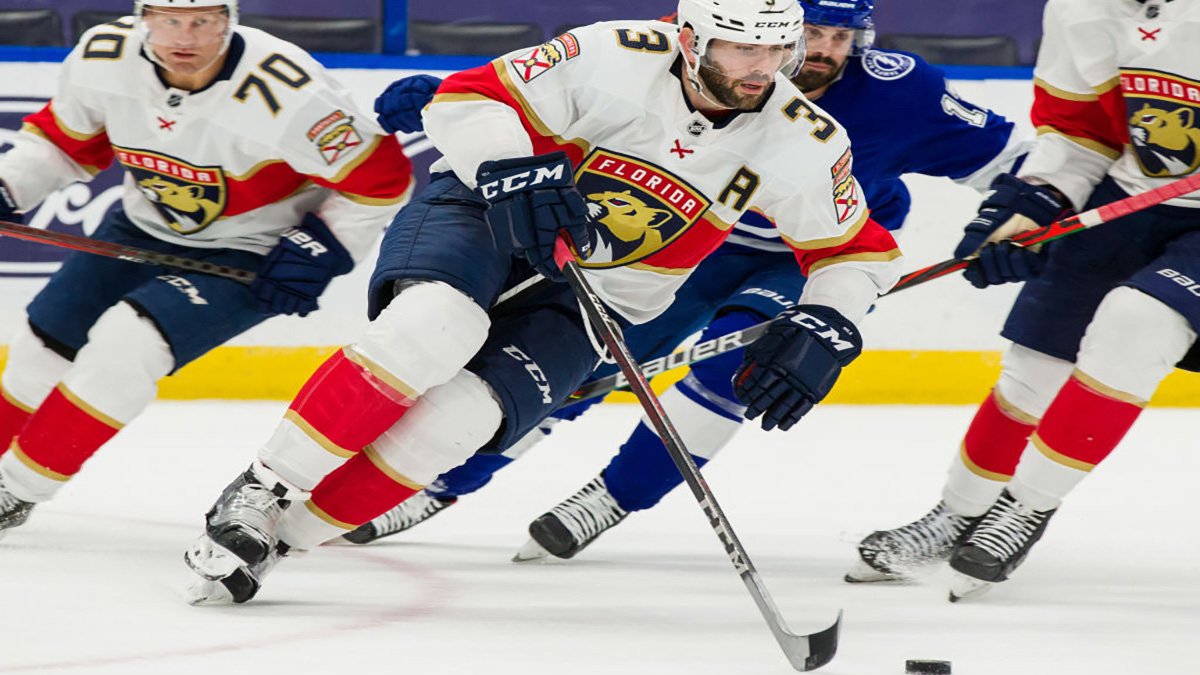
{"x":272,"y":183}
{"x":385,"y":173}
{"x":61,"y":436}
{"x":872,"y":240}
{"x":486,"y":81}
{"x":92,"y":152}
{"x":1102,"y":120}
{"x":690,"y":248}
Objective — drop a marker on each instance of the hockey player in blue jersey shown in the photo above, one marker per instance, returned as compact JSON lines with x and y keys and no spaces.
{"x":928,"y":129}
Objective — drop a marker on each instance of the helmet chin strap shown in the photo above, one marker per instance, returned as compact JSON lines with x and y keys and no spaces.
{"x":693,"y":76}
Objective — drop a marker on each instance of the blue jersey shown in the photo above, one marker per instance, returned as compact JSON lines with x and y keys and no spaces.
{"x":902,"y":118}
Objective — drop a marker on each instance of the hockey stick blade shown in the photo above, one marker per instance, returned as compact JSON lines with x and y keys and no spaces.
{"x":121,"y":252}
{"x":719,"y":345}
{"x":804,"y":652}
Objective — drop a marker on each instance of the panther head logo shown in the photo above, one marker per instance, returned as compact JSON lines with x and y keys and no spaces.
{"x":1167,"y":141}
{"x":184,"y":206}
{"x":631,"y":223}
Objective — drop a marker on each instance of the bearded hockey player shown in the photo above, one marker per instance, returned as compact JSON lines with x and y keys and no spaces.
{"x":750,"y":277}
{"x":239,"y":150}
{"x":645,"y":142}
{"x":1112,"y":310}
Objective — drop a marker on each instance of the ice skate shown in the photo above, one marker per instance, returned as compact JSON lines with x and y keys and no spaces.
{"x":13,"y":511}
{"x":997,"y":546}
{"x":575,"y":523}
{"x":416,"y":509}
{"x":903,"y":553}
{"x":243,"y":519}
{"x":239,"y":585}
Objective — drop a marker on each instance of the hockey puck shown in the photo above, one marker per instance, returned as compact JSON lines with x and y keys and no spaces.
{"x":919,"y":667}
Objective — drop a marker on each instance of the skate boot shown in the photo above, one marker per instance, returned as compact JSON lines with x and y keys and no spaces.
{"x":13,"y":511}
{"x":902,"y":553}
{"x":239,"y":586}
{"x":416,"y":509}
{"x":575,"y":523}
{"x":996,"y":547}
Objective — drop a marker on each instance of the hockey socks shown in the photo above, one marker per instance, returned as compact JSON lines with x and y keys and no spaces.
{"x":988,"y":457}
{"x":643,"y":472}
{"x":13,"y":416}
{"x":63,"y":434}
{"x":1083,"y":425}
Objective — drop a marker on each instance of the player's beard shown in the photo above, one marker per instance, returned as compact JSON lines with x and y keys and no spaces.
{"x":724,"y":89}
{"x":811,"y":80}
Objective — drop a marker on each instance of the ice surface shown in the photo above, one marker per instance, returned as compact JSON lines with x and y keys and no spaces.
{"x":92,"y":584}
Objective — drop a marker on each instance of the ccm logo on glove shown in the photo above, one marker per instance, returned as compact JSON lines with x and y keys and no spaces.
{"x":521,"y":181}
{"x":830,"y":334}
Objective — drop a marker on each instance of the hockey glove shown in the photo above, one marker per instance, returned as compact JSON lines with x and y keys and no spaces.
{"x":531,"y":199}
{"x":299,"y":268}
{"x":8,"y":206}
{"x":795,"y":363}
{"x":399,"y":107}
{"x":1012,"y":207}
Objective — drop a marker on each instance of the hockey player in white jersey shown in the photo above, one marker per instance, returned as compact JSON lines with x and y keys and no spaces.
{"x":240,"y":150}
{"x":1112,"y":310}
{"x":644,"y":142}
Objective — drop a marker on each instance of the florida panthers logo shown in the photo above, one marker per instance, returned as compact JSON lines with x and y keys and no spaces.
{"x":189,"y":198}
{"x":638,"y":208}
{"x":1167,"y":141}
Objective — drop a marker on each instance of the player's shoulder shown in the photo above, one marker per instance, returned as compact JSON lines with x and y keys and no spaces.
{"x":627,"y":37}
{"x":106,"y":47}
{"x":893,"y":70}
{"x":260,"y":46}
{"x":798,"y":127}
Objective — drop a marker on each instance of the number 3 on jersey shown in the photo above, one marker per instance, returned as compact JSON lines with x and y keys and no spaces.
{"x":280,"y":68}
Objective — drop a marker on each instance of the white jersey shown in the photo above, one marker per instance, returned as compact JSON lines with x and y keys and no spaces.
{"x":1117,"y":92}
{"x":230,"y":166}
{"x":664,"y":184}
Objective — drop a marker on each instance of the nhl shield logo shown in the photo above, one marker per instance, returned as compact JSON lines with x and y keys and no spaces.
{"x":189,"y":197}
{"x":637,"y":208}
{"x":1164,"y":121}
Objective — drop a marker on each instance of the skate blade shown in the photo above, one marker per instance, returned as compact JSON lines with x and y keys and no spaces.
{"x":967,"y":588}
{"x":862,"y":573}
{"x":210,"y":560}
{"x":530,"y":552}
{"x":203,"y":592}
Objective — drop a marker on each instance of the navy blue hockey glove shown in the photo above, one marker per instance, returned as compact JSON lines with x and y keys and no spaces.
{"x":795,"y":363}
{"x":532,"y":198}
{"x":296,"y":272}
{"x":8,"y":206}
{"x":398,"y":108}
{"x":1012,"y":207}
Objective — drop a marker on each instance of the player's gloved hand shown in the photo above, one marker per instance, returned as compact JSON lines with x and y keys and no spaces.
{"x":398,"y":108}
{"x":795,"y":363}
{"x":1012,"y":207}
{"x":532,"y":198}
{"x":299,"y":268}
{"x":8,"y":206}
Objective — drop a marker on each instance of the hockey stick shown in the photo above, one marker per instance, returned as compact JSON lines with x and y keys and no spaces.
{"x":121,"y":252}
{"x":1077,"y":223}
{"x":804,"y":652}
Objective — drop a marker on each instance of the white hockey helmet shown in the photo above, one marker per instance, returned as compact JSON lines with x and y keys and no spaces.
{"x":758,"y":22}
{"x":139,"y":8}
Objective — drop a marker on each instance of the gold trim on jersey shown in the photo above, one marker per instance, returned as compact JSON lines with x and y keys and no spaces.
{"x":672,"y":271}
{"x":15,"y":403}
{"x":37,"y":131}
{"x":1057,"y":457}
{"x":460,"y":98}
{"x":1095,"y":146}
{"x":377,"y":201}
{"x":884,"y":256}
{"x":499,"y":65}
{"x":978,"y":470}
{"x":1107,"y":391}
{"x":316,"y":436}
{"x":1063,"y":93}
{"x":1011,"y":410}
{"x":357,"y":161}
{"x":380,"y":372}
{"x":88,"y":408}
{"x":252,"y":171}
{"x":320,"y":513}
{"x":33,"y":466}
{"x":829,"y":242}
{"x":1107,"y":86}
{"x":717,"y":222}
{"x":77,"y":135}
{"x":397,"y":477}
